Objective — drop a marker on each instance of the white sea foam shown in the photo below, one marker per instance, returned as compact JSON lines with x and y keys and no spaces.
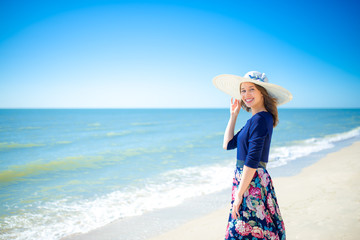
{"x":64,"y":217}
{"x":282,"y":155}
{"x":57,"y":219}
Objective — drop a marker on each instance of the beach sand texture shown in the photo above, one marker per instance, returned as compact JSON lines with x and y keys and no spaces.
{"x":321,"y":202}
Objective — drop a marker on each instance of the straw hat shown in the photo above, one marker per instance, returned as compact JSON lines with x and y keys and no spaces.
{"x":230,"y":84}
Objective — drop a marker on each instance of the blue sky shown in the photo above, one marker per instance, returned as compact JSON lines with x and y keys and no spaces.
{"x":154,"y":54}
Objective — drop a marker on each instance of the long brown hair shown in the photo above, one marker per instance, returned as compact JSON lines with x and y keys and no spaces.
{"x":270,"y":104}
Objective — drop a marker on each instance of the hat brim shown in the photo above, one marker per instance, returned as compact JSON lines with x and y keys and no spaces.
{"x":230,"y":84}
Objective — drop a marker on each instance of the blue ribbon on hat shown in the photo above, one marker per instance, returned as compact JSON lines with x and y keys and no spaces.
{"x":260,"y":78}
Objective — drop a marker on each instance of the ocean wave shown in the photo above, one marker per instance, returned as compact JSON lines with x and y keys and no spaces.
{"x":15,"y":173}
{"x":20,"y":172}
{"x":12,"y":145}
{"x":7,"y":146}
{"x":64,"y":217}
{"x":60,"y":218}
{"x":280,"y":156}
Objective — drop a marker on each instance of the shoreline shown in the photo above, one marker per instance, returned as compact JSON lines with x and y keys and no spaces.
{"x":321,"y":202}
{"x":197,"y":215}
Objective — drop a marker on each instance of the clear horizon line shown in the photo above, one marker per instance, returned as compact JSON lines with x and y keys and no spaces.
{"x":79,"y":108}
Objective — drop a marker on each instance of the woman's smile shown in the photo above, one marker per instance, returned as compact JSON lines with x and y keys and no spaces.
{"x":251,"y":95}
{"x":249,"y":100}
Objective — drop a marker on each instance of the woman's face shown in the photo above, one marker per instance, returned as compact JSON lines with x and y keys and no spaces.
{"x":251,"y":96}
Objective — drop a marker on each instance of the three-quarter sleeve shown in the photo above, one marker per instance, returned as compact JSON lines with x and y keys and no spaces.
{"x":233,"y":142}
{"x":257,"y":134}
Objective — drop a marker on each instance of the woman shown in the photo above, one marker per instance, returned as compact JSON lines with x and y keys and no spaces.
{"x":254,"y":213}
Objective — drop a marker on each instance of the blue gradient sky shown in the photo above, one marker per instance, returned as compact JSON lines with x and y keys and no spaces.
{"x":125,"y":54}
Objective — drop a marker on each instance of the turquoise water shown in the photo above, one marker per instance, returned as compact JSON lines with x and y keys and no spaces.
{"x":64,"y":171}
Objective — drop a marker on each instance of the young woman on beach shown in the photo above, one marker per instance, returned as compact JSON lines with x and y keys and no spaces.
{"x":254,"y":212}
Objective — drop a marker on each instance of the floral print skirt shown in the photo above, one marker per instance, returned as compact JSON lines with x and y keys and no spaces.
{"x":260,"y":216}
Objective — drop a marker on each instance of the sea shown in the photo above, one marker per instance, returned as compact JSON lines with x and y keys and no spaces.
{"x":70,"y":171}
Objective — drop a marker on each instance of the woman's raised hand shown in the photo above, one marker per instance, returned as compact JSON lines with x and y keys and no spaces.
{"x":235,"y":107}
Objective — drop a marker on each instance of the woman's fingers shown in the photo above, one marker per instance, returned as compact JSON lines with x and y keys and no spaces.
{"x":235,"y":212}
{"x":234,"y":101}
{"x":235,"y":105}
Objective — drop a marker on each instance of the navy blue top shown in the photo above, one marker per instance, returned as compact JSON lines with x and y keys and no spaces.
{"x":253,"y":140}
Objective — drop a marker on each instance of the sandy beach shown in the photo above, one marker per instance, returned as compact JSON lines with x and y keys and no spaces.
{"x":321,"y":202}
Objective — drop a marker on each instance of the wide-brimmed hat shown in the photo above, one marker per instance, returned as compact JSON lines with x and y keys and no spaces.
{"x":230,"y":84}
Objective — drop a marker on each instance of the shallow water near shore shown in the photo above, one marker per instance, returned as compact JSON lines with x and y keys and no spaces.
{"x":70,"y":171}
{"x":157,"y":222}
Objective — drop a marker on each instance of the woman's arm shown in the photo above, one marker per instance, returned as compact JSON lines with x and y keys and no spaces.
{"x":229,"y":131}
{"x":247,"y":176}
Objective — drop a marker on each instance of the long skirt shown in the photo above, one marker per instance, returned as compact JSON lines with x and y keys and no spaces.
{"x":260,"y":216}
